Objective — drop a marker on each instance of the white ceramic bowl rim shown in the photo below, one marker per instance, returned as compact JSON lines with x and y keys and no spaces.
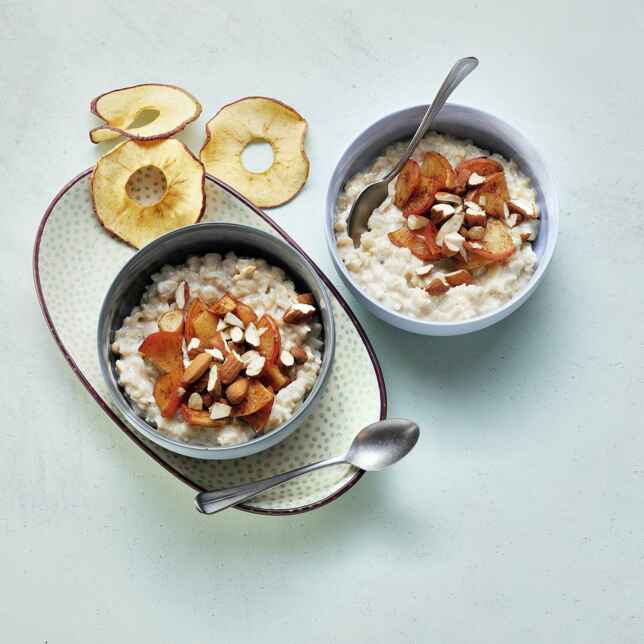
{"x":550,"y":215}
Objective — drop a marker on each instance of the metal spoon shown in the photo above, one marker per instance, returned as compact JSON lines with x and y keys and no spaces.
{"x":373,"y":195}
{"x":375,"y":447}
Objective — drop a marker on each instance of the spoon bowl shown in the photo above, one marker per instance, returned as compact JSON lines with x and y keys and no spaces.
{"x":382,"y":444}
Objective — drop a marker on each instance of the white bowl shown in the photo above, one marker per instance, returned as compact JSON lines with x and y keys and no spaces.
{"x":486,"y":131}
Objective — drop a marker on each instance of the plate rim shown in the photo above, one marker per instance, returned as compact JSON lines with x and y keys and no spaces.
{"x":117,"y":420}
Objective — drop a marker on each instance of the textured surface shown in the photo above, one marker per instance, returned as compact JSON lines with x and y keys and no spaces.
{"x":517,"y":519}
{"x":329,"y":428}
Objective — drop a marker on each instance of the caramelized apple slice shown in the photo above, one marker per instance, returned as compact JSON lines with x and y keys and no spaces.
{"x":245,"y":313}
{"x":481,"y":165}
{"x":226,"y":304}
{"x":163,"y":350}
{"x":204,"y":327}
{"x":407,"y":183}
{"x":258,"y":397}
{"x":493,"y":194}
{"x":404,"y":238}
{"x":199,"y":418}
{"x":436,"y":167}
{"x":497,"y":244}
{"x":273,"y":377}
{"x":167,"y":392}
{"x":270,"y":343}
{"x":195,"y":308}
{"x":259,"y":419}
{"x":434,"y":249}
{"x":423,"y":198}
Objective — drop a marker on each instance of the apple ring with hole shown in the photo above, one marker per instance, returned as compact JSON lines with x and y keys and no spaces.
{"x":143,"y":112}
{"x":144,"y":189}
{"x":251,"y":120}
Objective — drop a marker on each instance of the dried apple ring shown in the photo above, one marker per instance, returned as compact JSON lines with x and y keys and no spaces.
{"x":137,"y":212}
{"x":143,"y":112}
{"x":250,"y":120}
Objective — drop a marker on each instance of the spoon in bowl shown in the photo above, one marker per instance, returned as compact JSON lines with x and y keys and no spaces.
{"x":375,"y":447}
{"x":374,"y":194}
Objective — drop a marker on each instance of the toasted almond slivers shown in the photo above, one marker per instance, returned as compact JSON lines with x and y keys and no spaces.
{"x":236,"y":334}
{"x":287,"y":359}
{"x":249,"y":356}
{"x":251,"y":335}
{"x":216,"y":354}
{"x":232,"y":320}
{"x":255,"y":366}
{"x":220,"y":410}
{"x":181,"y":295}
{"x":194,"y":344}
{"x":416,"y":222}
{"x":475,"y":179}
{"x":221,"y":325}
{"x":454,"y":242}
{"x":448,"y":197}
{"x":424,"y":270}
{"x":471,"y":205}
{"x":298,"y":313}
{"x":212,"y":378}
{"x":452,"y":225}
{"x":195,"y":401}
{"x":524,"y":208}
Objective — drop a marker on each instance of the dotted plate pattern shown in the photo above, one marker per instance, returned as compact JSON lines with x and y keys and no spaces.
{"x":74,"y":255}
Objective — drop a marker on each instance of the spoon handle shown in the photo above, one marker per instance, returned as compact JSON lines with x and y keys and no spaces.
{"x":461,"y":69}
{"x":218,"y":500}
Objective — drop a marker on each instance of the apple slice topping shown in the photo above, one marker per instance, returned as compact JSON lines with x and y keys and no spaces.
{"x":405,"y":238}
{"x":407,"y":183}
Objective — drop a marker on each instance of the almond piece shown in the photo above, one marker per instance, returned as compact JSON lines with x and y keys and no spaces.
{"x":448,"y":197}
{"x":196,"y":368}
{"x":232,"y":320}
{"x":236,"y":392}
{"x":306,"y":298}
{"x":171,"y":321}
{"x":424,"y":270}
{"x":182,"y":295}
{"x":524,"y":208}
{"x":215,"y":354}
{"x":212,"y":378}
{"x":230,"y":369}
{"x":220,"y":410}
{"x":252,"y":335}
{"x":416,"y":222}
{"x":299,"y":313}
{"x":255,"y":366}
{"x":195,"y":401}
{"x":299,"y":355}
{"x":475,"y":218}
{"x":442,"y":212}
{"x":236,"y":334}
{"x":476,"y":233}
{"x":287,"y":359}
{"x":437,"y":287}
{"x":456,"y":278}
{"x":452,"y":225}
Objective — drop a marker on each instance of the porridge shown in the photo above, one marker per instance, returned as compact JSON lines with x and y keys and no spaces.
{"x":220,"y":349}
{"x":452,"y":240}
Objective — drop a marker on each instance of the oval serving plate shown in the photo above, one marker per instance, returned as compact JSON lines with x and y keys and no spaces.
{"x":355,"y":394}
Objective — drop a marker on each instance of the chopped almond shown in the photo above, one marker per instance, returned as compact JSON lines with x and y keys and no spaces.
{"x":437,"y":287}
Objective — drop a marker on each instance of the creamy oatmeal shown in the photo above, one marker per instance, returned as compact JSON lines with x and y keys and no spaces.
{"x":219,"y":350}
{"x":453,"y":238}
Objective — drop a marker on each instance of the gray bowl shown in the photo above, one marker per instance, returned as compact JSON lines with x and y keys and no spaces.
{"x":174,"y":248}
{"x":487,"y":131}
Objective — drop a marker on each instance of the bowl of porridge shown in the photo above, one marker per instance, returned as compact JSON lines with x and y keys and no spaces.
{"x":215,"y":340}
{"x":466,"y":232}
